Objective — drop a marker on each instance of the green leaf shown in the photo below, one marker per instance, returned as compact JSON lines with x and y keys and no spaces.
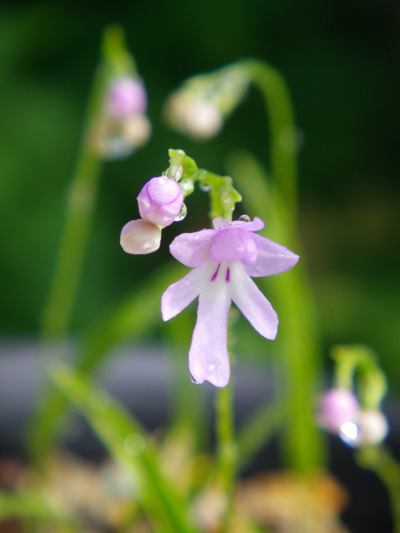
{"x":131,"y":318}
{"x":29,"y":506}
{"x":127,"y":442}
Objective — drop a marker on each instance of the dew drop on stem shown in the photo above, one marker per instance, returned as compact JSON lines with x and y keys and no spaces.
{"x":205,"y":187}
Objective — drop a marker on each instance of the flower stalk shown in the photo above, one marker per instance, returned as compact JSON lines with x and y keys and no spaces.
{"x":116,"y":61}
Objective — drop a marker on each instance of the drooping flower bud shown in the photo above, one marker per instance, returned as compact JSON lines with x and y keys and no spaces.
{"x":140,"y":237}
{"x":160,"y":201}
{"x":126,"y":96}
{"x":336,"y":407}
{"x":197,"y":118}
{"x":121,"y":125}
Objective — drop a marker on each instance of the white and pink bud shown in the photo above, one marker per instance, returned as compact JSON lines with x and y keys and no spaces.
{"x":140,"y":237}
{"x":160,"y":201}
{"x":336,"y":407}
{"x":366,"y":428}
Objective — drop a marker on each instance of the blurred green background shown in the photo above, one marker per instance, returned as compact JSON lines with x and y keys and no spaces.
{"x":341,"y":61}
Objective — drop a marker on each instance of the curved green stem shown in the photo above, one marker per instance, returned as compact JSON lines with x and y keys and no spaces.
{"x":387,"y":469}
{"x":78,"y":218}
{"x":283,"y":161}
{"x":298,"y":338}
{"x":82,"y":195}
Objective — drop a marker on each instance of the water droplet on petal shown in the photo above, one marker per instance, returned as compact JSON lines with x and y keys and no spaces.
{"x":148,"y":244}
{"x":244,"y":218}
{"x":182,"y":213}
{"x":227,"y":223}
{"x":205,"y":187}
{"x":193,"y":380}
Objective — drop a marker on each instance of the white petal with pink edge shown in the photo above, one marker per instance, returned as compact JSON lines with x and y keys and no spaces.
{"x":252,"y":303}
{"x":180,"y":294}
{"x":208,"y":355}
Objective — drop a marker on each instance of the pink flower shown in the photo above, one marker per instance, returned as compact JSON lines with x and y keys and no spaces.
{"x":335,"y":408}
{"x":223,"y":261}
{"x":160,"y":200}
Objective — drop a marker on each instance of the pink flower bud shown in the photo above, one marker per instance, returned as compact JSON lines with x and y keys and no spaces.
{"x":336,"y":407}
{"x":160,"y":201}
{"x":126,"y":96}
{"x":140,"y":237}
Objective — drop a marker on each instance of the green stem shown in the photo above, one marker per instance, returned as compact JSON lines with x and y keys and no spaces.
{"x":256,"y":431}
{"x":298,"y":338}
{"x":283,"y":161}
{"x":81,"y":203}
{"x":226,"y":446}
{"x":83,"y":192}
{"x":388,"y":470}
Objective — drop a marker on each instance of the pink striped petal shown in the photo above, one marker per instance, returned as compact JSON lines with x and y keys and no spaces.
{"x":252,"y":303}
{"x":180,"y":294}
{"x":208,"y":355}
{"x":272,"y":258}
{"x":192,"y":249}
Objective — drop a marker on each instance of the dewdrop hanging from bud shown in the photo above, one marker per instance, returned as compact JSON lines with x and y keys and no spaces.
{"x":140,"y":237}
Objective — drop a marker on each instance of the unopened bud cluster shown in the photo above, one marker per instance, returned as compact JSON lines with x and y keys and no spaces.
{"x":339,"y":412}
{"x":199,"y":107}
{"x":160,"y":202}
{"x":122,"y":125}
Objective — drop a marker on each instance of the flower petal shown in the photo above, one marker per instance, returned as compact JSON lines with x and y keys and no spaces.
{"x":233,"y":244}
{"x":191,"y":249}
{"x":252,"y":303}
{"x":208,"y":355}
{"x":255,"y":225}
{"x":180,"y":294}
{"x":272,"y":258}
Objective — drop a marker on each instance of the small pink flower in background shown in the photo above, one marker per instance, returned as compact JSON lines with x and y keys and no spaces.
{"x":126,"y":97}
{"x":335,"y":408}
{"x":160,"y":200}
{"x":223,"y":260}
{"x":140,"y":237}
